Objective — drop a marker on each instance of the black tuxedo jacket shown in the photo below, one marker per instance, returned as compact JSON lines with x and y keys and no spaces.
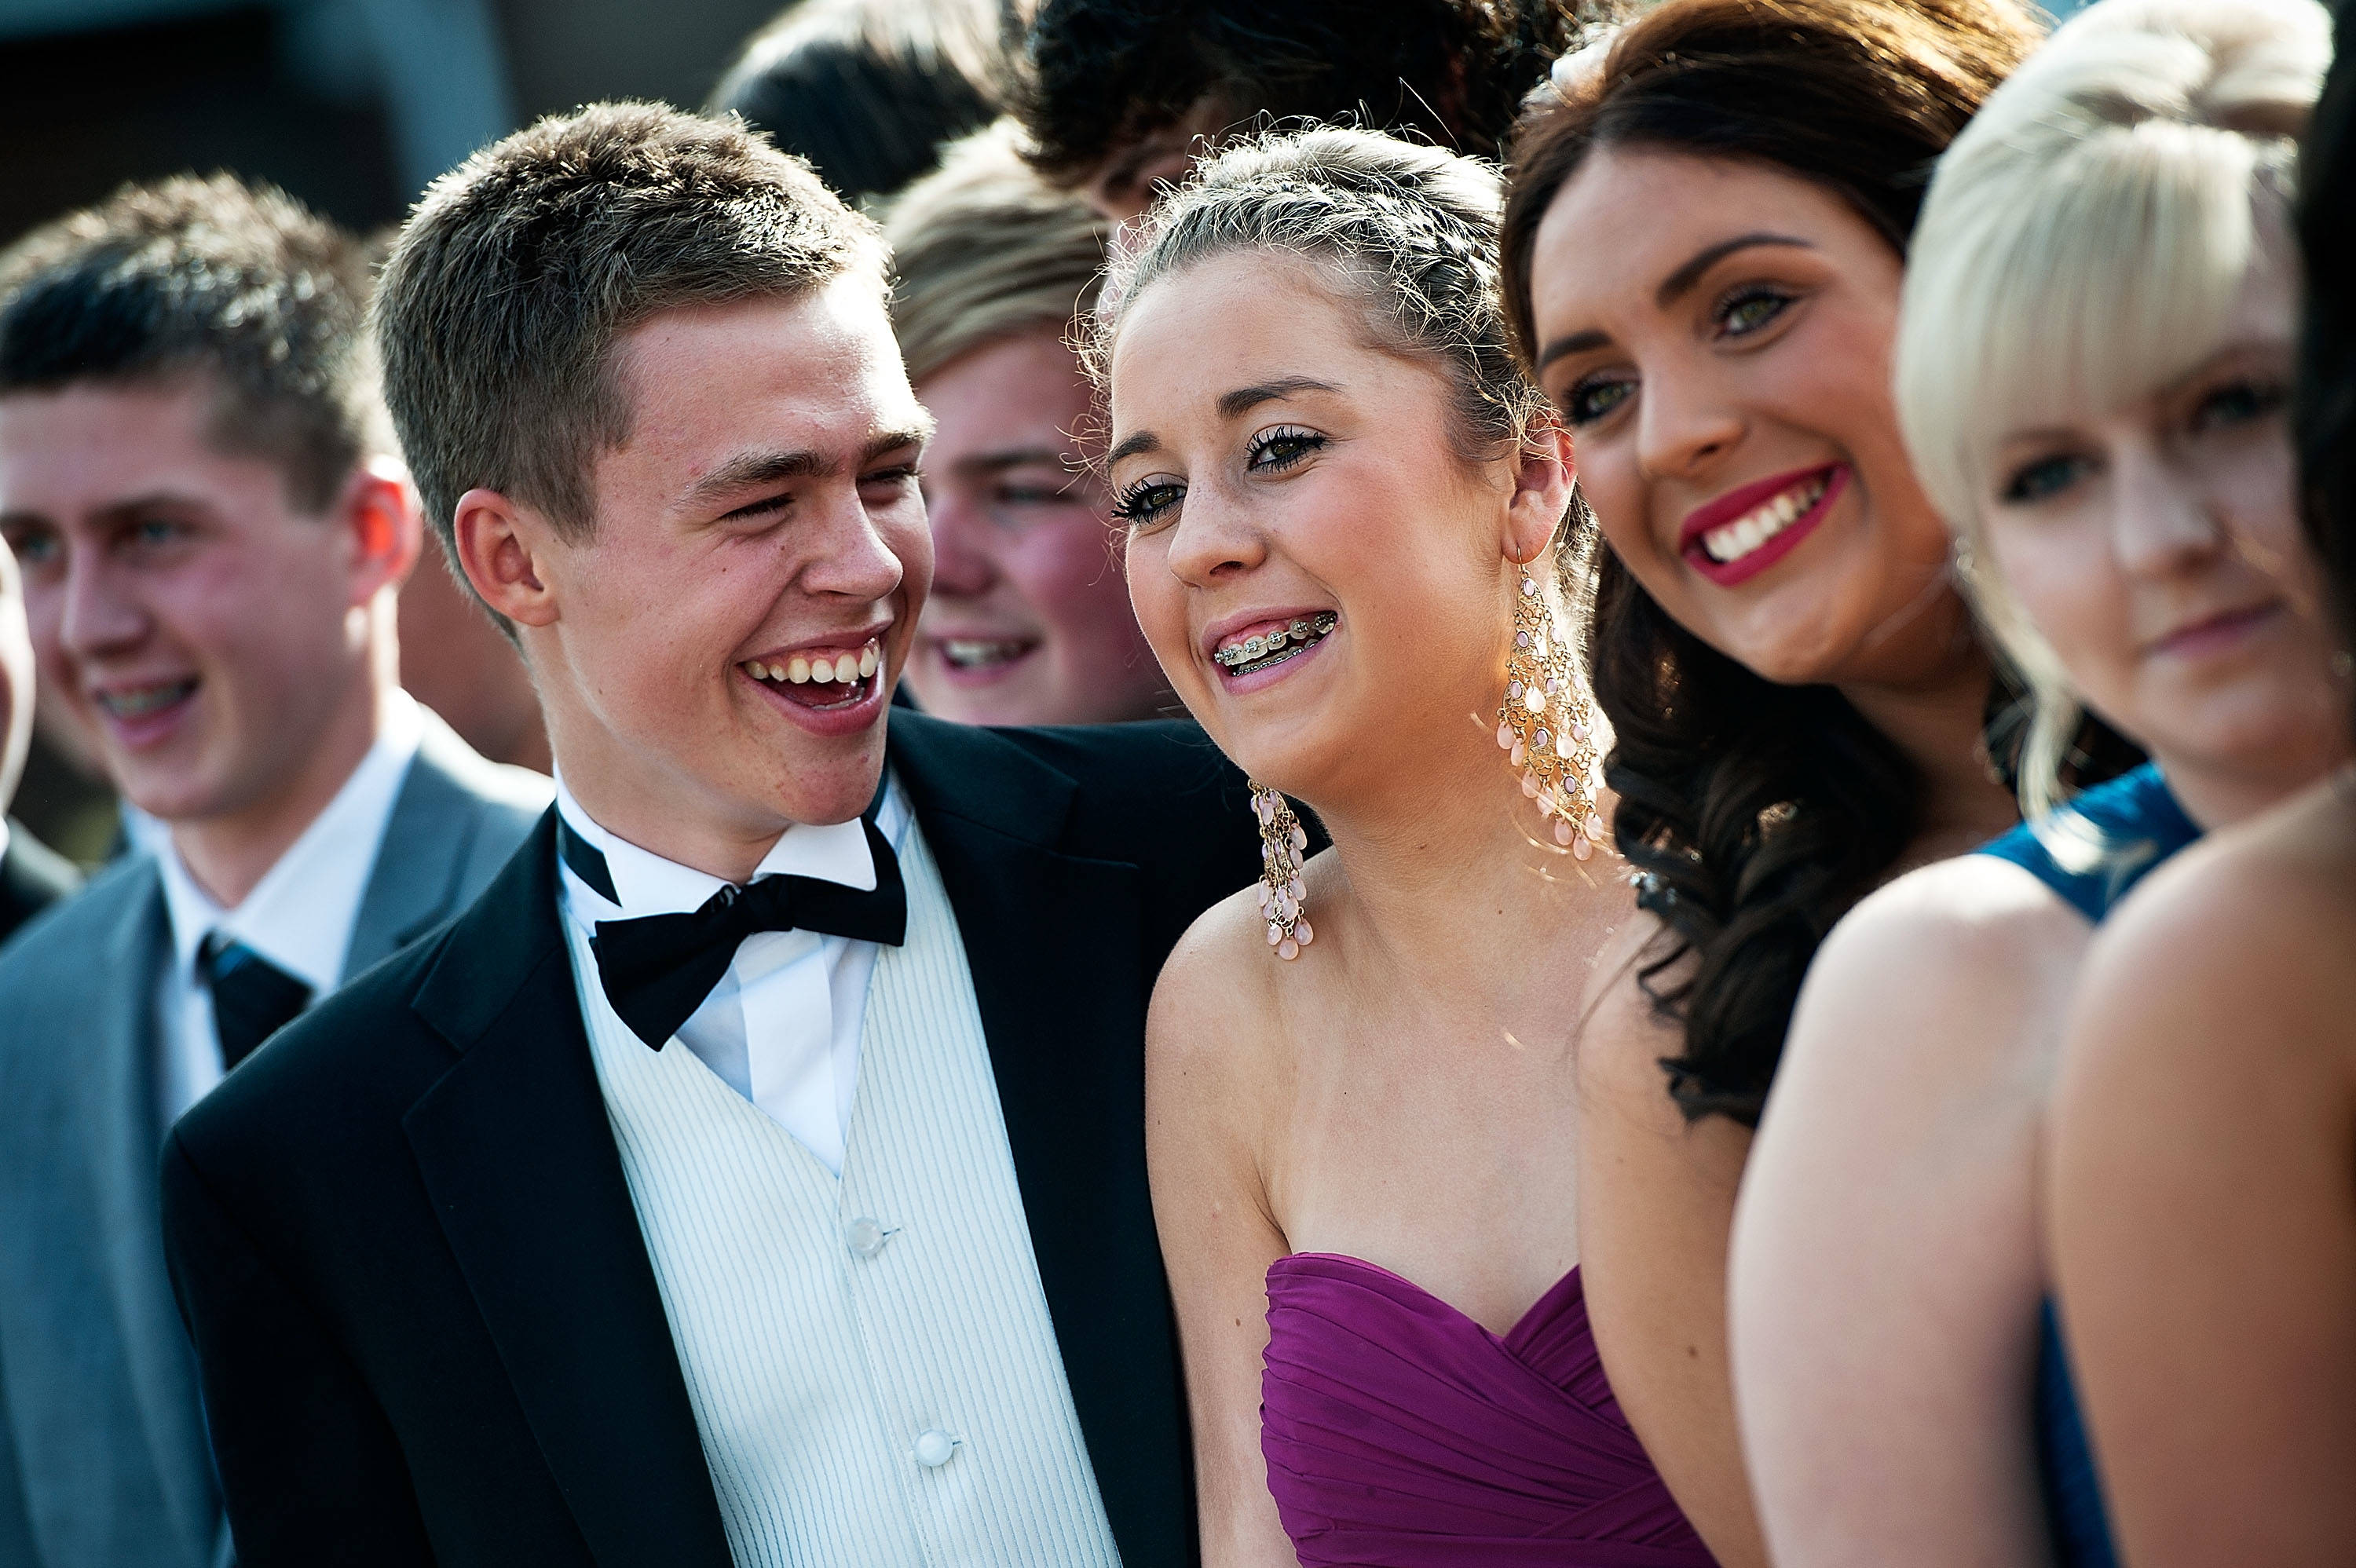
{"x":402,"y":1239}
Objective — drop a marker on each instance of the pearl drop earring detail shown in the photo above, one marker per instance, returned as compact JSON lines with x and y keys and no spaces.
{"x":1546,"y":731}
{"x":1281,"y":894}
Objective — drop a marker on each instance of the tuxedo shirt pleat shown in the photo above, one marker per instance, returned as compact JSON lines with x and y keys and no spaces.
{"x":817,"y":1373}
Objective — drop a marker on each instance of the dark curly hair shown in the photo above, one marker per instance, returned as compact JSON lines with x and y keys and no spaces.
{"x":1755,"y":814}
{"x":1095,"y":76}
{"x":2324,"y":407}
{"x":867,"y":90}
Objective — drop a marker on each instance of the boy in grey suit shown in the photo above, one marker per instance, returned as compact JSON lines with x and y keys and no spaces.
{"x":195,"y":475}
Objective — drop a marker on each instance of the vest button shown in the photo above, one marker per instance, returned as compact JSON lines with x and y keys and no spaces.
{"x":865,"y":1238}
{"x":934,"y":1448}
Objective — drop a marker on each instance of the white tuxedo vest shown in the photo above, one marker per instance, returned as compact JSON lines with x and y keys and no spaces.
{"x":870,"y":1361}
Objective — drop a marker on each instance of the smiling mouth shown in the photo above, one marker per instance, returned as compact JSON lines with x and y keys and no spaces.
{"x":1249,"y":655}
{"x":2218,"y":631}
{"x":1753,"y":530}
{"x":980,"y":656}
{"x":133,"y":702}
{"x":827,"y":678}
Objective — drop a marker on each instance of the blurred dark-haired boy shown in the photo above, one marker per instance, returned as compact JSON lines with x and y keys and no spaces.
{"x":868,"y":89}
{"x":1121,"y":96}
{"x":196,"y":476}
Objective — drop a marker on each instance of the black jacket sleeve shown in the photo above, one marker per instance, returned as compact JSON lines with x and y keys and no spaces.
{"x":310,"y":1470}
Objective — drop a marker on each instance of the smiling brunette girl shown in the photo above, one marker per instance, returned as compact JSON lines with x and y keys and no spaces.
{"x":1703,"y":252}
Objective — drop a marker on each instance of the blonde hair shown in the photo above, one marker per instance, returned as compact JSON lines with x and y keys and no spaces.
{"x":987,"y":250}
{"x":2083,"y":246}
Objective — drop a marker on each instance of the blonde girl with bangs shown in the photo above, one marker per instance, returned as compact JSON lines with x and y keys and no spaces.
{"x":2202,"y":1180}
{"x":2093,"y":372}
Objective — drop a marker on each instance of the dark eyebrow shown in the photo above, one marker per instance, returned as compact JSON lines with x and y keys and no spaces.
{"x":1244,"y":398}
{"x":1577,"y":342}
{"x":1230,"y":404}
{"x":752,"y":469}
{"x":1130,"y":446}
{"x":1671,"y":286}
{"x":998,"y":461}
{"x":1709,"y":256}
{"x":757,"y":468}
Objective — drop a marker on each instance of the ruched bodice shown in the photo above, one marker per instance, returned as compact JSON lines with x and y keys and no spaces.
{"x":1399,"y":1432}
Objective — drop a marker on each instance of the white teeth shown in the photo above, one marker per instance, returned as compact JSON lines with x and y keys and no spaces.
{"x":1755,"y":527}
{"x":149,"y":699}
{"x":979,"y":652}
{"x":800,"y":669}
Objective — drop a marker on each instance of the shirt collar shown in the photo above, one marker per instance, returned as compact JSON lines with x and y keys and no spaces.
{"x":300,"y":915}
{"x":649,"y":884}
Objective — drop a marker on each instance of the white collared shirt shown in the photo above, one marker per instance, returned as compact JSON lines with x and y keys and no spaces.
{"x":299,"y":916}
{"x":782,"y":1027}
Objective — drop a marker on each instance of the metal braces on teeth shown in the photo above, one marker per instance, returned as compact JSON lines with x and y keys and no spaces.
{"x":1259,"y":648}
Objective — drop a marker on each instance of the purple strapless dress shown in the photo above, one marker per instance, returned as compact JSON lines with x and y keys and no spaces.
{"x":1400,"y":1433}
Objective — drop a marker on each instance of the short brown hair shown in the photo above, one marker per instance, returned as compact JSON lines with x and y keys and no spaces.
{"x":497,"y":311}
{"x":987,"y":250}
{"x":212,"y":276}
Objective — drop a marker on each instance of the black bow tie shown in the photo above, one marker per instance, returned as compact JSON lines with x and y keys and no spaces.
{"x":657,"y":970}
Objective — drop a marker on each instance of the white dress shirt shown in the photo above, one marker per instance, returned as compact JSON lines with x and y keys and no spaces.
{"x":299,"y":916}
{"x":782,"y":1027}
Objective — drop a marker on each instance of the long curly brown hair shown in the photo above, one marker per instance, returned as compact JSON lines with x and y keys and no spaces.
{"x":1755,"y":814}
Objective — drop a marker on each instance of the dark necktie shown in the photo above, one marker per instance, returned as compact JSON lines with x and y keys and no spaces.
{"x":252,"y":998}
{"x":657,"y":970}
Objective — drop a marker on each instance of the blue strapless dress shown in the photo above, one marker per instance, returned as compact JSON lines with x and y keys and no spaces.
{"x":2105,"y":842}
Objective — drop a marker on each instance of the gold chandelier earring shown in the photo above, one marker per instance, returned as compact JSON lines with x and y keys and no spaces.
{"x":1282,"y":898}
{"x":1545,"y":727}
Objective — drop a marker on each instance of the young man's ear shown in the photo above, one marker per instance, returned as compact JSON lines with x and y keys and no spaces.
{"x":498,"y":545}
{"x":379,"y":507}
{"x":1542,"y":485}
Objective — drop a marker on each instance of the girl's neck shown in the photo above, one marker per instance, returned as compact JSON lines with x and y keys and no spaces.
{"x":1445,"y":883}
{"x":1939,"y":725}
{"x":2219,"y":796}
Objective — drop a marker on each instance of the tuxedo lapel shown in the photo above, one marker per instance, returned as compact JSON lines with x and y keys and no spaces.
{"x":127,"y":1132}
{"x":1052,"y":941}
{"x":514,"y":1147}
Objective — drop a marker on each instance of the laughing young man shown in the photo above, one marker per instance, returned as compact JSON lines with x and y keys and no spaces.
{"x":195,"y":474}
{"x":755,"y":1172}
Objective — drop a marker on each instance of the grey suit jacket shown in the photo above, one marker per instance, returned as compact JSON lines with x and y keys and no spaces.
{"x":103,"y":1461}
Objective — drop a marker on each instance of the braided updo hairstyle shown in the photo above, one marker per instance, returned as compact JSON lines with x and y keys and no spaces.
{"x":1407,"y":232}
